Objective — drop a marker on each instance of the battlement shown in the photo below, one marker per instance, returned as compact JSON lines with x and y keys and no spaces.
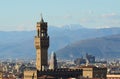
{"x":64,"y":73}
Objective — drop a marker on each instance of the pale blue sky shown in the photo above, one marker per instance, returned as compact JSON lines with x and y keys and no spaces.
{"x":23,"y":14}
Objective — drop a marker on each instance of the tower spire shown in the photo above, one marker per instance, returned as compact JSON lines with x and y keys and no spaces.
{"x":41,"y":19}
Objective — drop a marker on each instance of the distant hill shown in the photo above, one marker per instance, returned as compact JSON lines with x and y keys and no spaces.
{"x":104,"y":47}
{"x":20,"y":44}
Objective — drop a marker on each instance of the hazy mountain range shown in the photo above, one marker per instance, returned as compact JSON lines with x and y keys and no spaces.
{"x":20,"y":44}
{"x":104,"y":47}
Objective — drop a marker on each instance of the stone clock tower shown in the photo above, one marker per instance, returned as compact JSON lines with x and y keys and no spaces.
{"x":41,"y":45}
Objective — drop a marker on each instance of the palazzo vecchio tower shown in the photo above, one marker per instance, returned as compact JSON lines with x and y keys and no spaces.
{"x":41,"y":45}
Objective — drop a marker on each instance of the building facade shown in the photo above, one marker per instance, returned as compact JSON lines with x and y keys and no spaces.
{"x":93,"y":72}
{"x":1,"y":75}
{"x":113,"y":76}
